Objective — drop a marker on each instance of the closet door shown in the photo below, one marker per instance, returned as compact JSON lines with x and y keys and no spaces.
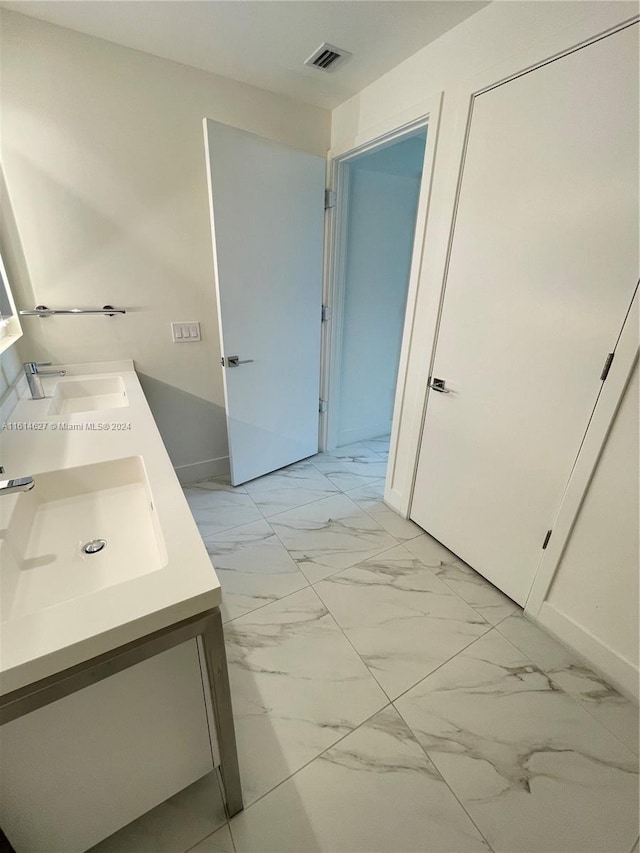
{"x":543,"y":266}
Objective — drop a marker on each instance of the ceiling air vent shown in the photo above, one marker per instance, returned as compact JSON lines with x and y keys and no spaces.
{"x":327,"y":57}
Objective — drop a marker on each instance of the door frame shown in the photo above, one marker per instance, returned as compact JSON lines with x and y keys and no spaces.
{"x":397,"y":128}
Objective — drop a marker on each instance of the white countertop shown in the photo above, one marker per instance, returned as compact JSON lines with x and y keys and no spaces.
{"x":43,"y":643}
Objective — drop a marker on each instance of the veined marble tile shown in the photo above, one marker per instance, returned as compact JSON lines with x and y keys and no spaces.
{"x":463,"y":580}
{"x":175,"y":825}
{"x":380,"y":442}
{"x":289,"y":487}
{"x":533,"y":769}
{"x":370,"y":498}
{"x":374,"y":792}
{"x":219,"y":842}
{"x":329,"y":535}
{"x":400,"y":618}
{"x":379,"y":445}
{"x":216,"y":506}
{"x":576,"y":678}
{"x":352,"y":466}
{"x":253,"y":566}
{"x":354,"y":451}
{"x":297,"y":687}
{"x":369,"y":495}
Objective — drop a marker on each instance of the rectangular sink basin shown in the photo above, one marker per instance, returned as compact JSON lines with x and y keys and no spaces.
{"x":88,"y":395}
{"x":43,"y":551}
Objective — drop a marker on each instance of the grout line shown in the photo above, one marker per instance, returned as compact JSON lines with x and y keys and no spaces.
{"x":299,"y":568}
{"x":460,"y":803}
{"x":226,"y":823}
{"x":339,"y":493}
{"x":389,"y":704}
{"x":226,"y":530}
{"x":347,"y":638}
{"x":336,"y":491}
{"x":344,"y":568}
{"x":267,"y":604}
{"x":444,"y":663}
{"x":422,"y":678}
{"x":223,"y":530}
{"x":373,"y":484}
{"x":307,"y":763}
{"x":300,"y":505}
{"x":509,"y":615}
{"x":353,"y":565}
{"x":233,"y":841}
{"x":384,"y":511}
{"x":309,"y":584}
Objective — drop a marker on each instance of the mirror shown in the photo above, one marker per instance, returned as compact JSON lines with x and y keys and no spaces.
{"x":10,"y":329}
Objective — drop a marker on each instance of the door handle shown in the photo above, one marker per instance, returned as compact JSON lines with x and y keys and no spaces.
{"x":235,"y":361}
{"x":438,"y":385}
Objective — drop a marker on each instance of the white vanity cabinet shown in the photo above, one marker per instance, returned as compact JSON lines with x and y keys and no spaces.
{"x":75,"y":771}
{"x":114,"y":690}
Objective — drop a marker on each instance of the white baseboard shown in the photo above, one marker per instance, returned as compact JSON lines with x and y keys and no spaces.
{"x":202,"y":470}
{"x":622,"y":673}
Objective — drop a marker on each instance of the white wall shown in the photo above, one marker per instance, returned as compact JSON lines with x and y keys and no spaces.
{"x":500,"y":40}
{"x":104,"y":167}
{"x":383,"y":196}
{"x":497,"y":32}
{"x":595,"y":589}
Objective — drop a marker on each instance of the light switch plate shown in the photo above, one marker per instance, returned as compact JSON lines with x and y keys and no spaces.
{"x":183,"y":333}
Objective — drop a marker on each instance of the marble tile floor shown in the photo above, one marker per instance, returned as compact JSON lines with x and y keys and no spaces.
{"x":387,"y":697}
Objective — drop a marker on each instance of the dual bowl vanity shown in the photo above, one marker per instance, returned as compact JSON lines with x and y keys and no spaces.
{"x":114,"y":691}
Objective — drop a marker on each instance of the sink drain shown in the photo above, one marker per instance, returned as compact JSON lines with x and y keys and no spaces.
{"x":94,"y":546}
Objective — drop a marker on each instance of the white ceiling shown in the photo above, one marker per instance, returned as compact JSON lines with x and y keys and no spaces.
{"x":265,"y":42}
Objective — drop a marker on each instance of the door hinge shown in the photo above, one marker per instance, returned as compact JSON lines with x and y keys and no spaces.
{"x":607,"y":366}
{"x":329,"y":199}
{"x":326,"y":313}
{"x":322,"y":407}
{"x":546,"y":540}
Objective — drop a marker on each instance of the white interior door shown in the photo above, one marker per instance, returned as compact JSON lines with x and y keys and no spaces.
{"x":267,"y":220}
{"x":543,"y":266}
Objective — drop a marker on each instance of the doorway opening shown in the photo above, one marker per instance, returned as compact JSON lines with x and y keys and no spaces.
{"x":378,"y":192}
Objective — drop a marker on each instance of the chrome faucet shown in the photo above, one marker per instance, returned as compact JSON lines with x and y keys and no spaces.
{"x":17,"y":484}
{"x":33,"y":373}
